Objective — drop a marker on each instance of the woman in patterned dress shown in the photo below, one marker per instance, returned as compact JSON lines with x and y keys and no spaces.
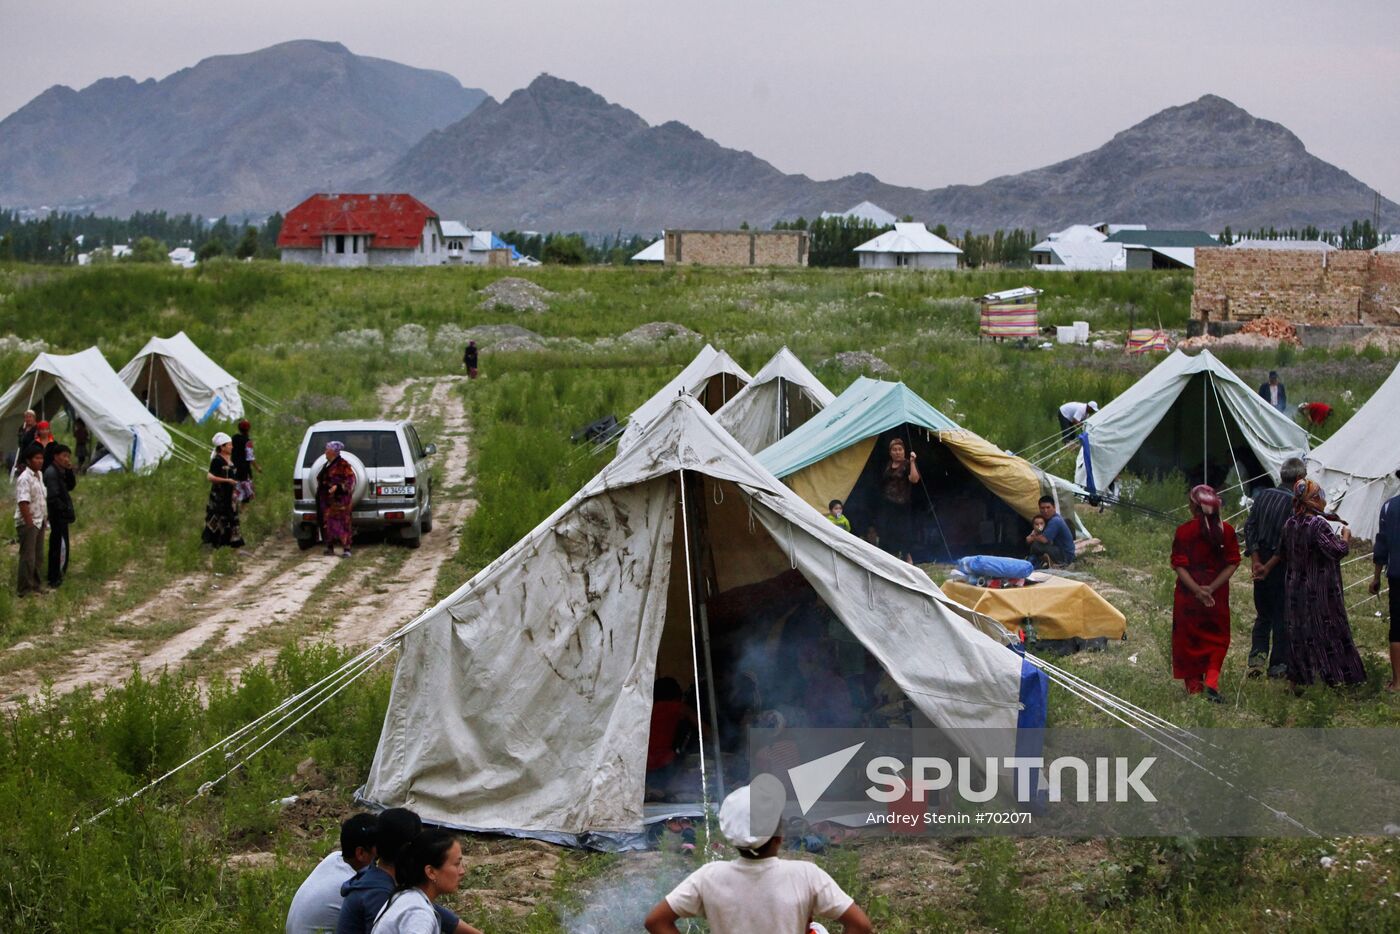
{"x":221,"y":526}
{"x":335,"y":487}
{"x":1205,"y":553}
{"x":1320,"y":643}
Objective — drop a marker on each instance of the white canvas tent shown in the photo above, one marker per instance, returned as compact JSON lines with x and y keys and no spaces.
{"x":781,"y":398}
{"x":713,"y":378}
{"x":170,"y":372}
{"x":521,"y":703}
{"x":1356,"y":466}
{"x":1194,"y":415}
{"x":86,"y":382}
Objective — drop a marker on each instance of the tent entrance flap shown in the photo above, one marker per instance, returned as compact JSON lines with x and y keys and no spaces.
{"x":718,"y":390}
{"x":778,"y":654}
{"x":157,"y":391}
{"x":952,"y":512}
{"x":1197,"y":438}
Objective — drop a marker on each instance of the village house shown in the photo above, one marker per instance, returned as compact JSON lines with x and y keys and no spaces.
{"x":467,"y":247}
{"x":736,"y":248}
{"x":908,"y":246}
{"x":362,"y":230}
{"x":1144,"y":248}
{"x":1079,"y":246}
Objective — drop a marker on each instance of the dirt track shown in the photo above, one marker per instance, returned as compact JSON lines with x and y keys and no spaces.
{"x":279,"y":594}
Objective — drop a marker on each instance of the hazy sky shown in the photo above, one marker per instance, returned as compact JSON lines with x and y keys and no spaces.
{"x":918,"y":93}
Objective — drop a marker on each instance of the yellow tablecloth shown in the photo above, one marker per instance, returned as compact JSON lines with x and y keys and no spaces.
{"x":1059,"y":607}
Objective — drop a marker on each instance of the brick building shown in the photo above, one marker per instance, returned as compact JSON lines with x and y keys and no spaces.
{"x":1319,"y":287}
{"x":362,"y":230}
{"x":736,"y":248}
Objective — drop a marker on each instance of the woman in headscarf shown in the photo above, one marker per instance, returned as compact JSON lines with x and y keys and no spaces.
{"x":335,"y":485}
{"x":1205,"y":554}
{"x":221,"y":527}
{"x":896,"y":498}
{"x":1320,"y":646}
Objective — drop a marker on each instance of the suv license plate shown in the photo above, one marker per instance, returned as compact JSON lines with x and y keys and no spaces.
{"x":395,"y":491}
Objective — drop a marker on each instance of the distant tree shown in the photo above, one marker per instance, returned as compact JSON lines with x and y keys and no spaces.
{"x":7,"y":247}
{"x":941,"y":231}
{"x":565,"y":250}
{"x":831,"y":241}
{"x":743,"y":225}
{"x":149,"y":250}
{"x":907,"y":219}
{"x":248,"y":246}
{"x":209,"y":250}
{"x":1226,"y":237}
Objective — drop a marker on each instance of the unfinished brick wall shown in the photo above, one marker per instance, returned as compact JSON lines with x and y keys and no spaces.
{"x":736,"y":248}
{"x":1307,"y":287}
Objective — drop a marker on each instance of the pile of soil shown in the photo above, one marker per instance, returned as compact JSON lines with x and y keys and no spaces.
{"x":516,"y":295}
{"x":654,"y":332}
{"x":860,"y":360}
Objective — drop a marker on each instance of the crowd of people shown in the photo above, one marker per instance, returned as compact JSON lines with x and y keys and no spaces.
{"x":1301,"y":631}
{"x":45,"y":475}
{"x":386,"y":878}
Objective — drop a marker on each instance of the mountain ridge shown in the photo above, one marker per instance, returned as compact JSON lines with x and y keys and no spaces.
{"x":255,"y":132}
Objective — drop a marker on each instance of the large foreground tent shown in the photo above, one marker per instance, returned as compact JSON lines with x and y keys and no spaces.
{"x":86,"y":383}
{"x":974,"y":497}
{"x":1193,"y":415}
{"x":1356,"y":466}
{"x":172,"y":377}
{"x":521,"y":703}
{"x":713,"y":378}
{"x":782,"y":397}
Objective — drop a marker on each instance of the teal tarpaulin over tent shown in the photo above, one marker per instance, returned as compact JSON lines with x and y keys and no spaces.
{"x":976,"y":498}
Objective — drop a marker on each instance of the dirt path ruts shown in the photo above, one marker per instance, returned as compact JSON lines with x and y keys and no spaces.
{"x":278,"y":583}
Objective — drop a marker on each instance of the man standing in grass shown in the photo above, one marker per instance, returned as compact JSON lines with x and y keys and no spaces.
{"x":1263,"y":539}
{"x":31,"y":511}
{"x":59,"y":480}
{"x":1386,"y":557}
{"x":470,"y":359}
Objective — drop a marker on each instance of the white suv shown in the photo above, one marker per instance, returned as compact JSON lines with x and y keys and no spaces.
{"x":393,"y":485}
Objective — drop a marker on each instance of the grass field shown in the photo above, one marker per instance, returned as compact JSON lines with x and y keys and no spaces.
{"x":324,"y":342}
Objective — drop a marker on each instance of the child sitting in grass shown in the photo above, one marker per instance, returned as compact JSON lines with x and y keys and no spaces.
{"x":834,"y":511}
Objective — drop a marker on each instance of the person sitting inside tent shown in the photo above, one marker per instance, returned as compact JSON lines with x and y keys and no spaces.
{"x":758,"y":891}
{"x":834,"y":510}
{"x":1315,"y":412}
{"x":1053,"y":547}
{"x":1205,"y":553}
{"x":672,"y":725}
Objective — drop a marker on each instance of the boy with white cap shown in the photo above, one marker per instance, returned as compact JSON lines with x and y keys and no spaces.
{"x":757,"y":893}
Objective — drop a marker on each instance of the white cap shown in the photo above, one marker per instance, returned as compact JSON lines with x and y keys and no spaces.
{"x":220,"y":439}
{"x":749,"y":817}
{"x":1093,"y":406}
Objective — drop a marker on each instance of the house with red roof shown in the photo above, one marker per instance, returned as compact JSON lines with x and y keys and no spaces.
{"x":362,"y":230}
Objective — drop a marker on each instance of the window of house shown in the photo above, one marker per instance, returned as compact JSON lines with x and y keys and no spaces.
{"x":340,"y":243}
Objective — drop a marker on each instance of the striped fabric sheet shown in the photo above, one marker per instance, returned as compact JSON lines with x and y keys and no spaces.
{"x":1010,"y":321}
{"x":1143,"y":340}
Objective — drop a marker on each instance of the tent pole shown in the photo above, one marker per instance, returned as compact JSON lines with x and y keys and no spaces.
{"x":782,"y":408}
{"x":695,"y":657}
{"x":702,"y":610}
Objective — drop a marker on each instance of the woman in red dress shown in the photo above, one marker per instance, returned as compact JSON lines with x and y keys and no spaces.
{"x":1205,"y":554}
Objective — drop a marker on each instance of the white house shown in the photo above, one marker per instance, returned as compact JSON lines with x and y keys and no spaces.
{"x":910,"y":245}
{"x":183,"y":257}
{"x":1079,"y":246}
{"x":362,"y":230}
{"x":865,"y":211}
{"x":655,"y":253}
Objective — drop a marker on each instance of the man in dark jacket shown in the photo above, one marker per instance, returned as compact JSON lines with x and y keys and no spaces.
{"x":1263,"y":545}
{"x":59,"y":480}
{"x":1274,"y":393}
{"x":1386,"y":558}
